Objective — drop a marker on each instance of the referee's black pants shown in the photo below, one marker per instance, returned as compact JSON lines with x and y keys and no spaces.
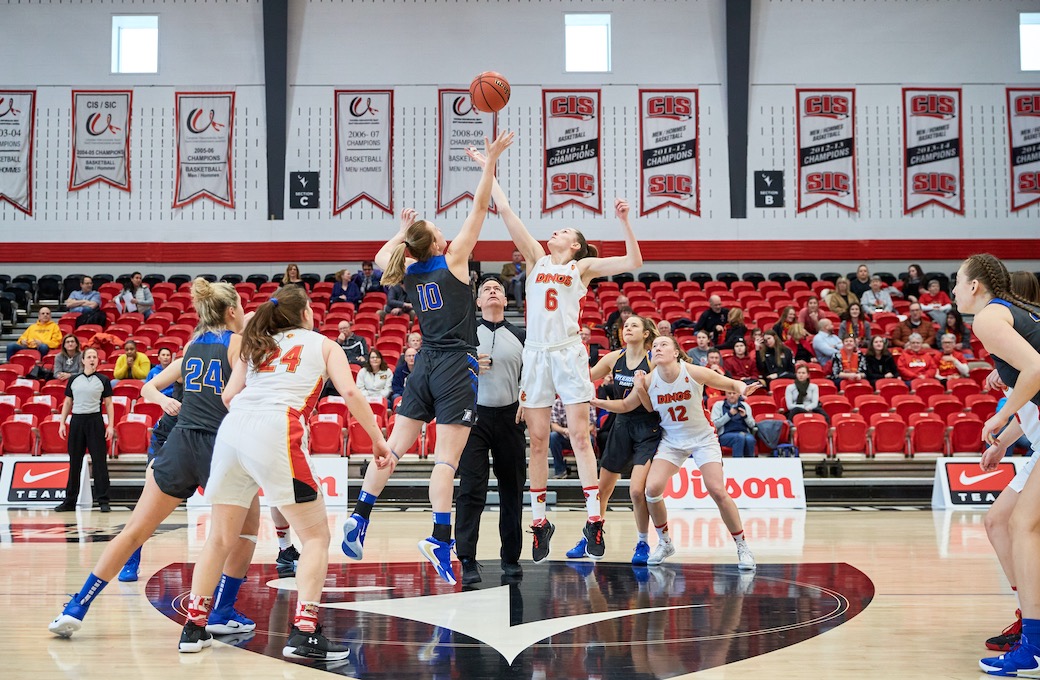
{"x":87,"y":433}
{"x":495,"y":431}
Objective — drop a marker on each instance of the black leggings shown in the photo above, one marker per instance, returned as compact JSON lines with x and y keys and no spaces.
{"x":87,"y":433}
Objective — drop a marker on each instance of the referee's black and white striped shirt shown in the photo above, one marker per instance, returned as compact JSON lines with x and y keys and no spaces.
{"x":505,"y":343}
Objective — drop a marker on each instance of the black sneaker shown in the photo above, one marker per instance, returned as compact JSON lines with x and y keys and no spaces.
{"x":512,"y":569}
{"x":194,"y":638}
{"x":540,"y":544}
{"x":470,"y":571}
{"x":593,"y":533}
{"x":286,"y":561}
{"x":104,"y":506}
{"x":314,"y":645}
{"x":65,"y":507}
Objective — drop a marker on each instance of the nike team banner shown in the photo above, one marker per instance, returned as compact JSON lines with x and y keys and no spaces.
{"x":752,"y":482}
{"x":364,"y":149}
{"x":101,"y":138}
{"x":933,"y":167}
{"x":40,"y":481}
{"x":960,"y":484}
{"x":669,"y":161}
{"x":205,"y":127}
{"x":1024,"y":132}
{"x":572,"y":173}
{"x":459,"y":126}
{"x":826,"y":123}
{"x":17,"y":123}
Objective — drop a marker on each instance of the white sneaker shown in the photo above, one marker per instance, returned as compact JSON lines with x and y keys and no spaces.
{"x":745,"y":560}
{"x":745,"y":582}
{"x":663,"y":551}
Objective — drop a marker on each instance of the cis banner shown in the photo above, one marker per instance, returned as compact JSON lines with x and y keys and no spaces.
{"x":205,"y":125}
{"x":1024,"y":131}
{"x":572,"y":172}
{"x":459,"y":126}
{"x":826,"y":148}
{"x":933,"y":167}
{"x":17,"y":129}
{"x":364,"y":149}
{"x":101,"y":138}
{"x":669,"y":163}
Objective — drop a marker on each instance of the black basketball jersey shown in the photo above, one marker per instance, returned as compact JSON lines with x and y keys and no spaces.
{"x":624,"y":381}
{"x":1027,"y":325}
{"x":205,"y":371}
{"x":445,"y":306}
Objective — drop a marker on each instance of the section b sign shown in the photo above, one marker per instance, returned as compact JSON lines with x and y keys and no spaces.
{"x":303,"y":190}
{"x":769,"y":188}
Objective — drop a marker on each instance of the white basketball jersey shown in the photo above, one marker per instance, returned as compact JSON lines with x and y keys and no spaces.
{"x":1029,"y":418}
{"x":292,"y":378}
{"x":680,"y":404}
{"x":554,"y":293}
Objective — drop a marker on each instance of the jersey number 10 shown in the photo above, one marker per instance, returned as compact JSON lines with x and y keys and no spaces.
{"x":429,"y":296}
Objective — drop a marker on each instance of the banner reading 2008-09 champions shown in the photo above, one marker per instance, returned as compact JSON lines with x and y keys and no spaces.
{"x":1024,"y":130}
{"x":364,"y":162}
{"x":459,"y":126}
{"x":572,"y":172}
{"x":669,"y":161}
{"x":933,"y":167}
{"x":826,"y":148}
{"x":205,"y":128}
{"x":101,"y":138}
{"x":17,"y":123}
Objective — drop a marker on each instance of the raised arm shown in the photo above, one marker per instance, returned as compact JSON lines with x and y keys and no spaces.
{"x":382,"y":258}
{"x":528,"y":245}
{"x":720,"y":382}
{"x":603,"y":366}
{"x":592,"y":267}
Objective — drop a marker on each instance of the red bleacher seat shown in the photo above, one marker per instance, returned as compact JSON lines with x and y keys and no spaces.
{"x":41,"y":409}
{"x":962,"y":388}
{"x":333,"y":404}
{"x":8,"y":405}
{"x":120,"y":406}
{"x":327,"y":437}
{"x":128,"y":387}
{"x":849,"y":434}
{"x":810,"y":434}
{"x":964,"y":435}
{"x":927,"y":434}
{"x":26,"y":358}
{"x":50,"y":441}
{"x":358,"y":440}
{"x":855,"y":388}
{"x":887,"y":434}
{"x":869,"y":404}
{"x":982,"y":405}
{"x":19,"y":434}
{"x":23,"y":388}
{"x":834,"y":405}
{"x":153,"y":411}
{"x":944,"y":405}
{"x":133,"y":433}
{"x":826,"y":387}
{"x":979,"y":375}
{"x":926,"y":387}
{"x":908,"y":404}
{"x":785,"y":430}
{"x":890,"y":387}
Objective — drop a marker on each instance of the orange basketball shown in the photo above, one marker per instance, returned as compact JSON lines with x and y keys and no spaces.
{"x":489,"y":91}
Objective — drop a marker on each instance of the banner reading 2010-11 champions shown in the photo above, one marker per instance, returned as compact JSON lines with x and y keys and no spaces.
{"x":17,"y":129}
{"x":826,"y":148}
{"x":205,"y":128}
{"x":364,"y":163}
{"x":101,"y":138}
{"x":669,"y":163}
{"x":1024,"y":132}
{"x":459,"y":126}
{"x":572,"y":171}
{"x":933,"y":167}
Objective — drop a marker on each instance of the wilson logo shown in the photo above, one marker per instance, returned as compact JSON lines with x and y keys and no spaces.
{"x":573,"y":184}
{"x":670,"y":186}
{"x":681,"y":486}
{"x":941,"y":106}
{"x":826,"y":106}
{"x":197,"y":124}
{"x":670,"y":107}
{"x":830,"y":183}
{"x":935,"y":184}
{"x":572,"y":106}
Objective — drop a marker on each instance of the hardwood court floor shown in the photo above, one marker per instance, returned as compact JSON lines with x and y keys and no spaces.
{"x":937,"y":593}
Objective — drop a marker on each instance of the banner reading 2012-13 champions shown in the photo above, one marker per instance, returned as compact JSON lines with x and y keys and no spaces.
{"x":669,"y":163}
{"x":933,"y":167}
{"x":205,"y":129}
{"x":459,"y":126}
{"x":1024,"y":143}
{"x":572,"y":173}
{"x":17,"y":129}
{"x":826,"y":148}
{"x":364,"y":162}
{"x":101,"y":138}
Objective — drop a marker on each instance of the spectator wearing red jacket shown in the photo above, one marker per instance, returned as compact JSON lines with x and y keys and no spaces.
{"x":742,"y":365}
{"x":916,"y":360}
{"x":951,"y":363}
{"x":809,"y":316}
{"x":935,"y":302}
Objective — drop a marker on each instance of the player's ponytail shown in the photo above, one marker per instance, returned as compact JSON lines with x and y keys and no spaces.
{"x":584,"y":248}
{"x":212,"y":302}
{"x":418,"y":240}
{"x":282,"y":312}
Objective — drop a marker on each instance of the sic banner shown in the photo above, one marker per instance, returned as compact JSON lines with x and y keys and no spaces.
{"x":101,"y":138}
{"x":933,"y":167}
{"x":17,"y":129}
{"x":1024,"y":142}
{"x":459,"y":126}
{"x":205,"y":127}
{"x":826,"y":148}
{"x":572,"y":173}
{"x":668,"y":160}
{"x":364,"y":149}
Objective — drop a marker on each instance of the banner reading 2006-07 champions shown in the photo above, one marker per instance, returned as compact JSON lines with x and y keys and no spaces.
{"x":364,"y":149}
{"x":17,"y":123}
{"x":1024,"y":130}
{"x":459,"y":126}
{"x":933,"y":168}
{"x":669,"y":161}
{"x":826,"y":148}
{"x":205,"y":128}
{"x":101,"y":138}
{"x":572,"y":171}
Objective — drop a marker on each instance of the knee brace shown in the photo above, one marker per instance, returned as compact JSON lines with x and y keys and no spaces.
{"x":654,"y":499}
{"x":248,"y":538}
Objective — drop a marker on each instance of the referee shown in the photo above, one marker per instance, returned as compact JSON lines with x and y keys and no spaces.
{"x":85,"y":395}
{"x":499,"y":350}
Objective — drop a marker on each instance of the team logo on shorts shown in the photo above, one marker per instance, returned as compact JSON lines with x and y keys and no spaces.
{"x":523,"y":395}
{"x":467,"y":416}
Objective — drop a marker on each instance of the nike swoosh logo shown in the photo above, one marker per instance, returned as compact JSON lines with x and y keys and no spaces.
{"x":30,"y":478}
{"x":971,"y":481}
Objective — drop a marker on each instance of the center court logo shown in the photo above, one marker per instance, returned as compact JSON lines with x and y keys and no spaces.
{"x":197,"y":124}
{"x":38,"y":481}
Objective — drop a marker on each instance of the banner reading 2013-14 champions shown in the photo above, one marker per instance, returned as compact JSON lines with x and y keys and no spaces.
{"x":572,"y":173}
{"x":101,"y":138}
{"x":933,"y":167}
{"x":205,"y":128}
{"x":364,"y":162}
{"x":1024,"y":143}
{"x":459,"y":126}
{"x":17,"y":129}
{"x":826,"y":148}
{"x":669,"y":164}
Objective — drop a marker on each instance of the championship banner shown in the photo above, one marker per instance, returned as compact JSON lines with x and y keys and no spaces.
{"x":101,"y":138}
{"x":572,"y":171}
{"x":17,"y":122}
{"x":669,"y":164}
{"x":1024,"y":142}
{"x":205,"y":126}
{"x":364,"y":149}
{"x":933,"y":168}
{"x":459,"y":126}
{"x":826,"y":123}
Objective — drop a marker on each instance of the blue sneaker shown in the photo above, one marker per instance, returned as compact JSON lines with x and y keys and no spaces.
{"x":641,"y":554}
{"x":70,"y":620}
{"x":130,"y":570}
{"x":1023,"y":661}
{"x":354,"y":530}
{"x":439,"y":555}
{"x":578,"y":551}
{"x":228,"y":622}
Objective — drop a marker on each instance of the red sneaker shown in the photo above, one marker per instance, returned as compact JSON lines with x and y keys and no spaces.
{"x":1009,"y":638}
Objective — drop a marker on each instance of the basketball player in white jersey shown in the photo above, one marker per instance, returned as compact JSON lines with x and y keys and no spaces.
{"x":263,"y":443}
{"x":675,"y":390}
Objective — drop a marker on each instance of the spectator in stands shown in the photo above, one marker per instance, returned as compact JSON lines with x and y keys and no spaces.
{"x":612,"y":323}
{"x":951,"y":363}
{"x":916,"y":322}
{"x":368,"y":279}
{"x":876,"y":299}
{"x":401,"y":373}
{"x":788,"y":317}
{"x":614,"y":332}
{"x":879,"y":361}
{"x":42,"y":336}
{"x":414,"y":341}
{"x":345,"y":290}
{"x":131,"y":364}
{"x":664,"y":327}
{"x":292,"y":277}
{"x":914,"y":285}
{"x":559,"y":438}
{"x":736,"y":329}
{"x":375,"y":380}
{"x":848,"y":364}
{"x":800,"y":344}
{"x":397,"y":303}
{"x":354,"y":346}
{"x":809,"y":316}
{"x":715,"y":361}
{"x":699,"y":354}
{"x":742,"y":365}
{"x":140,"y":295}
{"x":935,"y":302}
{"x":774,"y":360}
{"x":860,"y":284}
{"x":756,"y":341}
{"x":713,"y":319}
{"x":735,"y":424}
{"x":515,"y":276}
{"x":916,"y":360}
{"x":593,"y":348}
{"x":855,"y":324}
{"x":165,"y":357}
{"x":802,"y":396}
{"x":86,"y":304}
{"x":825,"y":343}
{"x":68,"y":363}
{"x":839,"y":299}
{"x":955,"y":326}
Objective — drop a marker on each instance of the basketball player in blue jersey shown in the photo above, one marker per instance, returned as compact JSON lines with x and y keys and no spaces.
{"x":443,"y":383}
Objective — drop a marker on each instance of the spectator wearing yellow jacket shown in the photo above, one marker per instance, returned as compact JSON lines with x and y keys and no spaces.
{"x":42,"y":336}
{"x":133,"y":364}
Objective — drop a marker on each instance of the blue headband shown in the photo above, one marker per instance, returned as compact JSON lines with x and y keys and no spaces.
{"x":274,"y":301}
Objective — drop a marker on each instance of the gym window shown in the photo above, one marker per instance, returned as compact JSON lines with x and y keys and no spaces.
{"x":587,"y":42}
{"x":1029,"y":40}
{"x":135,"y":43}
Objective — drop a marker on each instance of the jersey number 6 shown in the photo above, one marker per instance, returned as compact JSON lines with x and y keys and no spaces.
{"x":552,"y":303}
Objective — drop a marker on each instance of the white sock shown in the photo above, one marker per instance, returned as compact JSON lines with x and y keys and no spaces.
{"x":592,"y":500}
{"x":537,"y":504}
{"x":662,"y":533}
{"x":284,"y":538}
{"x":641,"y":537}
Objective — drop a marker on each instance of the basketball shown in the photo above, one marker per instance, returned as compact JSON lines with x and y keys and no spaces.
{"x":489,"y":92}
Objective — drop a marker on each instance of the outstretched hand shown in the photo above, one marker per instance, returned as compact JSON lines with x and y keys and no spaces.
{"x":502,"y":142}
{"x":749,"y":388}
{"x":621,"y":208}
{"x":477,"y":155}
{"x":408,"y":218}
